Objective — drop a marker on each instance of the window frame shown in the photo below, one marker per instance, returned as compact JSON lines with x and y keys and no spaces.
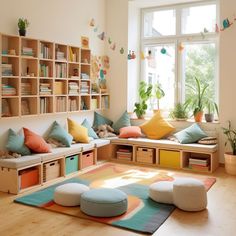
{"x":211,"y":37}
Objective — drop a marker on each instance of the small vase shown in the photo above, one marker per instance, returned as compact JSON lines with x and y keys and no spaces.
{"x":209,"y":117}
{"x":22,"y":32}
{"x":198,"y":116}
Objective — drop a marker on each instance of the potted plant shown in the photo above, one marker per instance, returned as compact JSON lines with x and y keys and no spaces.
{"x":145,"y":93}
{"x":230,"y":157}
{"x":197,"y":100}
{"x":211,"y":109}
{"x":179,"y":112}
{"x":158,"y":93}
{"x":22,"y":25}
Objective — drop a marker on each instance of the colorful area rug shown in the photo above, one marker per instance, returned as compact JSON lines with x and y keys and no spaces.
{"x":143,"y":215}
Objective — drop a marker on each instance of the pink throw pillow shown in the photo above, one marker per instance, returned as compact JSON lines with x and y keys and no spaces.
{"x":130,"y":132}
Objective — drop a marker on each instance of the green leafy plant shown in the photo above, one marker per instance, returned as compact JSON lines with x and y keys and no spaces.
{"x":231,"y":137}
{"x":179,"y":112}
{"x":145,"y":93}
{"x":23,"y":23}
{"x":158,"y":93}
{"x":212,"y":107}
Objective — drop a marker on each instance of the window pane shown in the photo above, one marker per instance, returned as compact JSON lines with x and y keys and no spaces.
{"x":159,"y":23}
{"x":195,"y":19}
{"x":160,"y":68}
{"x":199,"y":60}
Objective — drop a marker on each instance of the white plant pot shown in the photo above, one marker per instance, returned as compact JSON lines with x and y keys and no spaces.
{"x":230,"y":163}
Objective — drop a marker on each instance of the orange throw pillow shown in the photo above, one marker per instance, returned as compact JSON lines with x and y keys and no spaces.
{"x":35,"y":142}
{"x":130,"y":132}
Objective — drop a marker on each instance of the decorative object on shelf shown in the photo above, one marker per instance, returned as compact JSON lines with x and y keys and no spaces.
{"x":23,"y":23}
{"x":179,"y":112}
{"x":145,"y":93}
{"x":212,"y":107}
{"x":230,"y":157}
{"x":84,"y":42}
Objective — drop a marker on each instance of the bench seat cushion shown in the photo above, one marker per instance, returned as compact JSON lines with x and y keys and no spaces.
{"x":100,"y":142}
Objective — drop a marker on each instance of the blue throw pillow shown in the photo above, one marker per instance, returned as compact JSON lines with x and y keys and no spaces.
{"x":191,"y":134}
{"x":91,"y":132}
{"x":123,"y":121}
{"x":100,"y":120}
{"x":15,"y":143}
{"x":61,"y":135}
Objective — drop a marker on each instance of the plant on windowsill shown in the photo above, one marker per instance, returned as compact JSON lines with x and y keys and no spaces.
{"x":22,"y":25}
{"x":145,"y":93}
{"x":211,"y":109}
{"x":179,"y":112}
{"x":158,"y":94}
{"x":230,"y":157}
{"x":197,"y":100}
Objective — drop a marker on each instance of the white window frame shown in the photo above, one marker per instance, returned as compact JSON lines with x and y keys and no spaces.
{"x":211,"y":37}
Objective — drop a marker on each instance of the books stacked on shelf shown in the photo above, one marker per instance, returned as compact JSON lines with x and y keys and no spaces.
{"x":85,"y":76}
{"x":105,"y":102}
{"x":44,"y":70}
{"x":60,"y":56}
{"x":8,"y":90}
{"x":124,"y":154}
{"x":45,"y":89}
{"x":73,"y":106}
{"x":25,"y":110}
{"x":44,"y":51}
{"x":84,"y":87}
{"x":7,"y":70}
{"x":73,"y":88}
{"x":61,"y":104}
{"x":6,"y":108}
{"x":27,"y":52}
{"x":61,"y":70}
{"x":25,"y":88}
{"x":199,"y":164}
{"x":44,"y":105}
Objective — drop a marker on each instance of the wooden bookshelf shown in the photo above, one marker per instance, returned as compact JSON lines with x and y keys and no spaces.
{"x":39,"y":77}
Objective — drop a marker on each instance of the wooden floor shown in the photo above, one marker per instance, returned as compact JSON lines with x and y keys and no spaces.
{"x":218,"y":220}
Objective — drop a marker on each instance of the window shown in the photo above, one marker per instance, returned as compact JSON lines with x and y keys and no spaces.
{"x":178,"y":46}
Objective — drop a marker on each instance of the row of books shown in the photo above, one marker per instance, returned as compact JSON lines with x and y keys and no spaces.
{"x":8,"y":90}
{"x":124,"y":154}
{"x":84,"y":87}
{"x":25,"y":88}
{"x":26,"y":51}
{"x":44,"y":51}
{"x":73,"y":88}
{"x":61,"y":71}
{"x":7,"y":70}
{"x":199,"y":164}
{"x":44,"y":105}
{"x":73,"y":105}
{"x":45,"y":89}
{"x":61,"y":104}
{"x":44,"y":70}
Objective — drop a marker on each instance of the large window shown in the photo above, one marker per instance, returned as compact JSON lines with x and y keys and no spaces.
{"x":180,"y":44}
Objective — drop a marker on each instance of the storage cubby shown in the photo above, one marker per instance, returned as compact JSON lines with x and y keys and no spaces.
{"x":46,"y":87}
{"x":85,"y":102}
{"x":29,"y":86}
{"x":10,"y":66}
{"x":122,"y":152}
{"x":72,"y":164}
{"x":10,"y":86}
{"x":73,"y":87}
{"x":60,"y":52}
{"x":61,"y":103}
{"x":85,"y":56}
{"x":45,"y":68}
{"x":29,"y":47}
{"x":73,"y":103}
{"x":29,"y":67}
{"x":146,"y":155}
{"x":46,"y":50}
{"x":85,"y":72}
{"x":87,"y":159}
{"x":10,"y":45}
{"x":170,"y":158}
{"x":60,"y":87}
{"x":45,"y":105}
{"x":95,"y":102}
{"x":74,"y":54}
{"x":29,"y":106}
{"x":60,"y":70}
{"x":85,"y":87}
{"x":52,"y":170}
{"x":74,"y":71}
{"x":10,"y":107}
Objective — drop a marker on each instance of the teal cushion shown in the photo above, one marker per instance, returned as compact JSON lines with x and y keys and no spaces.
{"x":100,"y":120}
{"x":61,"y":135}
{"x":103,"y":202}
{"x":123,"y":121}
{"x":191,"y":134}
{"x":91,"y":132}
{"x":15,"y":143}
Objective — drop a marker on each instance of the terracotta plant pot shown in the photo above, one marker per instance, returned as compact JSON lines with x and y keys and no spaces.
{"x":198,"y":116}
{"x":230,"y":163}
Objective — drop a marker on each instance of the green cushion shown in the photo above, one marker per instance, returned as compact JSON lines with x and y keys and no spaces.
{"x":15,"y":143}
{"x":191,"y":134}
{"x":61,"y":135}
{"x":123,"y":121}
{"x":91,"y":132}
{"x":100,"y":120}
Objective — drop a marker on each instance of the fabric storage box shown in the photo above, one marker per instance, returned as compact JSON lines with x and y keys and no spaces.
{"x":145,"y":155}
{"x":72,"y":164}
{"x":28,"y":177}
{"x":169,"y":158}
{"x":51,"y":170}
{"x":87,"y":159}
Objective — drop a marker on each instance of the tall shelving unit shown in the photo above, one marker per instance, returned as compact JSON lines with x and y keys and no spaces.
{"x":39,"y":77}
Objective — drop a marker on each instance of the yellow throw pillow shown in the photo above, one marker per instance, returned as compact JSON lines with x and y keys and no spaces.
{"x":79,"y":132}
{"x":156,"y":127}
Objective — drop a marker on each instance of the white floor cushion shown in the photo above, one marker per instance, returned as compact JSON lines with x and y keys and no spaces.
{"x":69,"y":194}
{"x":162,"y":192}
{"x":189,"y":194}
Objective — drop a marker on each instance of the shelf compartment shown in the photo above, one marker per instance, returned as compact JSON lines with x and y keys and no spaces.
{"x":74,"y":71}
{"x":29,"y":106}
{"x":61,"y":52}
{"x":10,"y":87}
{"x":10,"y":66}
{"x":122,"y":152}
{"x":10,"y":107}
{"x":29,"y":47}
{"x":29,"y":67}
{"x":51,"y":170}
{"x":45,"y":87}
{"x":29,"y":87}
{"x":60,"y":70}
{"x":85,"y":71}
{"x":85,"y":87}
{"x":45,"y":68}
{"x":72,"y":164}
{"x":105,"y":103}
{"x":84,"y":103}
{"x":46,"y":50}
{"x":45,"y":105}
{"x":73,"y":54}
{"x":145,"y":155}
{"x":60,"y":87}
{"x":61,"y":104}
{"x":85,"y":56}
{"x":95,"y":102}
{"x":28,"y":177}
{"x":73,"y":103}
{"x":10,"y":45}
{"x":87,"y":159}
{"x":169,"y":158}
{"x":73,"y":88}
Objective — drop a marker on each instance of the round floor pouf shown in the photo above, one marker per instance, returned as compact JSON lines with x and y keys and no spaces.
{"x":162,"y":192}
{"x":104,"y":202}
{"x":69,"y":194}
{"x":189,"y":194}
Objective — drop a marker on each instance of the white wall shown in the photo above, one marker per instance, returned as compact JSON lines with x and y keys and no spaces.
{"x":63,"y":21}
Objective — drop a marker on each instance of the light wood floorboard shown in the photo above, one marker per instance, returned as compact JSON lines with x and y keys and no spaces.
{"x":218,"y":220}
